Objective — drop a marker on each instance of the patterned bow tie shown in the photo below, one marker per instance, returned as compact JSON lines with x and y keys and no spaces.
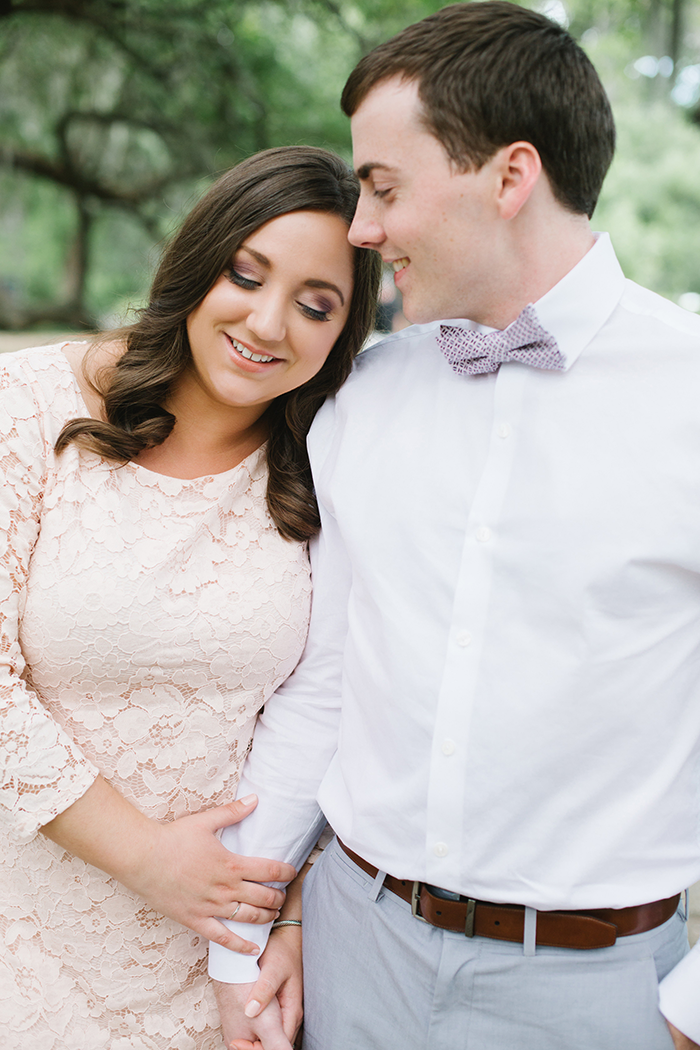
{"x":524,"y":340}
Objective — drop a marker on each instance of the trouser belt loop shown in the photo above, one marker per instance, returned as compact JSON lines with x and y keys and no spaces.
{"x":530,"y":931}
{"x":376,"y":887}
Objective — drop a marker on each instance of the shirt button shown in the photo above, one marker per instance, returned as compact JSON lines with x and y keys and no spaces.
{"x":503,"y":430}
{"x":464,"y":639}
{"x":440,"y":849}
{"x":448,"y":747}
{"x":483,"y":534}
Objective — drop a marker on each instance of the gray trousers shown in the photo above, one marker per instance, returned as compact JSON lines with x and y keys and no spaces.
{"x":376,"y":978}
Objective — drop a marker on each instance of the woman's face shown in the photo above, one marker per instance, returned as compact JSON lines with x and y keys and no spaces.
{"x":269,"y":322}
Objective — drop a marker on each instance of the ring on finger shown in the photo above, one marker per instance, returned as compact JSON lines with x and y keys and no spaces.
{"x":235,"y":912}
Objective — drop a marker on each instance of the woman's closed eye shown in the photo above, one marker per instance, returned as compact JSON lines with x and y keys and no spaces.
{"x":240,"y":279}
{"x":314,"y":313}
{"x":244,"y":275}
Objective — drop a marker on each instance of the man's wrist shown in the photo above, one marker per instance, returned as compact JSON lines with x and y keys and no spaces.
{"x":232,"y":967}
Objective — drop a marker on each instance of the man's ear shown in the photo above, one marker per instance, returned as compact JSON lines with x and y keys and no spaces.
{"x":519,"y":167}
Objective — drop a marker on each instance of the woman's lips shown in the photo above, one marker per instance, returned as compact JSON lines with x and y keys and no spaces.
{"x":252,"y":359}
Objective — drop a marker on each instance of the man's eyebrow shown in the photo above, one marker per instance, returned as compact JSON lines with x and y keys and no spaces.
{"x":365,"y":170}
{"x":313,"y":283}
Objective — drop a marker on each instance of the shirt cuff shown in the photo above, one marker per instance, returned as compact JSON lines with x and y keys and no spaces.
{"x":679,"y":1001}
{"x":232,"y":967}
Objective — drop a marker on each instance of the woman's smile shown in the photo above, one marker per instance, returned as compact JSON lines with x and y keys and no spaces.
{"x":249,"y":356}
{"x":269,"y":322}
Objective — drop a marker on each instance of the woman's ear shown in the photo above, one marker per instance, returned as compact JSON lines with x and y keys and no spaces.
{"x":519,"y":168}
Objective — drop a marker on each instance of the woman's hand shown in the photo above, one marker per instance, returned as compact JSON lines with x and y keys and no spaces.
{"x":189,"y":876}
{"x":280,"y":976}
{"x":180,"y":868}
{"x":264,"y":1032}
{"x":268,"y":1014}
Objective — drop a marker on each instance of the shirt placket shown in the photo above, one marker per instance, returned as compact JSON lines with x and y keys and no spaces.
{"x":460,"y":680}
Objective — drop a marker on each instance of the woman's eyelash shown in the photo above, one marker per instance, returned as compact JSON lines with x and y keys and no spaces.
{"x":239,"y":279}
{"x":246,"y":282}
{"x":315,"y":315}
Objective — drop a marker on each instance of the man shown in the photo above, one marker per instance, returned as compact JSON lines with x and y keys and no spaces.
{"x":505,"y":640}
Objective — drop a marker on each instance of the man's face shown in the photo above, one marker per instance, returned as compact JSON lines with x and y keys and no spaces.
{"x":436,"y":225}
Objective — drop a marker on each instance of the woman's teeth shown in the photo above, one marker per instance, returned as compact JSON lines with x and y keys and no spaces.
{"x":399,"y":264}
{"x":249,"y":355}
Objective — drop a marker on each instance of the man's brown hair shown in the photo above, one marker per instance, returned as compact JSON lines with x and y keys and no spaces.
{"x":493,"y":73}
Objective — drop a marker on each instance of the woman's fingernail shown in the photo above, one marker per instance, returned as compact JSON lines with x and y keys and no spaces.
{"x":248,"y":799}
{"x":252,"y":1008}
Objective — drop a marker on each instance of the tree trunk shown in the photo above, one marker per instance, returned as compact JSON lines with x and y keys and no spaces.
{"x":77,"y":259}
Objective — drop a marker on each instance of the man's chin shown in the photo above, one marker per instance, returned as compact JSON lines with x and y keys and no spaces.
{"x":426,"y":313}
{"x":417,"y":313}
{"x":422,"y":311}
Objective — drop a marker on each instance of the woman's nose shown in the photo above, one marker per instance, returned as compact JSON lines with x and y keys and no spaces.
{"x":267,"y":319}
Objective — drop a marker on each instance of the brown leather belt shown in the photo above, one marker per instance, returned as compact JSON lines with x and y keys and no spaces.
{"x":595,"y":928}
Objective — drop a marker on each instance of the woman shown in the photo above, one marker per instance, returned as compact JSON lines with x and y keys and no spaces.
{"x":155,"y":591}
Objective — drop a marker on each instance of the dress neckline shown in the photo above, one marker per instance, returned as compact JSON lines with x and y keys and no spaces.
{"x":250,"y":461}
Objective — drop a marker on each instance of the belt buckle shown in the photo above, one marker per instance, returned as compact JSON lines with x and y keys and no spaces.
{"x":415,"y":902}
{"x":469,"y":918}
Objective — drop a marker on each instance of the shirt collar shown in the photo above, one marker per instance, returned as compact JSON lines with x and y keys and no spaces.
{"x":577,"y":307}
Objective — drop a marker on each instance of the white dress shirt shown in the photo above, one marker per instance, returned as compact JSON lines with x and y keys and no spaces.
{"x":500,"y":694}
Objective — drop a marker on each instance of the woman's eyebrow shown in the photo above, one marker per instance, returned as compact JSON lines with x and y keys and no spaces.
{"x":313,"y":283}
{"x":262,"y":259}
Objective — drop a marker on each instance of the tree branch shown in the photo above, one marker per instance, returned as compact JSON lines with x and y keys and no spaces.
{"x":65,"y":175}
{"x":335,"y":9}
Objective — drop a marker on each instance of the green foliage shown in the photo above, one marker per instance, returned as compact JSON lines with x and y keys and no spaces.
{"x":130,"y":108}
{"x":651,"y":200}
{"x":37,"y":221}
{"x":116,"y":114}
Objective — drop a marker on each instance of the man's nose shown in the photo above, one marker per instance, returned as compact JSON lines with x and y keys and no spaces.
{"x":366,"y":231}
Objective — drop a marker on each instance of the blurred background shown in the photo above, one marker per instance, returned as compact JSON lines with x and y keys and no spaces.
{"x":115,"y":115}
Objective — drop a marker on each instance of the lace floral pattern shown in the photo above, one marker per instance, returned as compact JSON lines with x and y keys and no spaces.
{"x":145,"y":620}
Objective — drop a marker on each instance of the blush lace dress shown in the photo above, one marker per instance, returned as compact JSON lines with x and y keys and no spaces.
{"x":145,"y":620}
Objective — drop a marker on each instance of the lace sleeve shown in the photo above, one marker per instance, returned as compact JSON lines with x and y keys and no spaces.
{"x":42,"y":770}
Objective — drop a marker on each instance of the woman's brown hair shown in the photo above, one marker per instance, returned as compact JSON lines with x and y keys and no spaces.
{"x":134,"y":390}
